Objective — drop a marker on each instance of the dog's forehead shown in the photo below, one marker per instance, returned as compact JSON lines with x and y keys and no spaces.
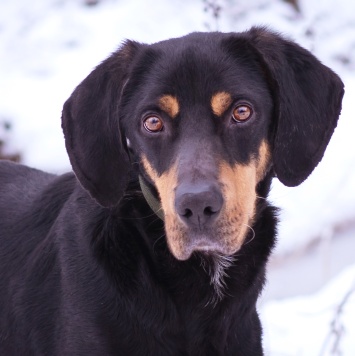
{"x":189,"y":59}
{"x":199,"y":66}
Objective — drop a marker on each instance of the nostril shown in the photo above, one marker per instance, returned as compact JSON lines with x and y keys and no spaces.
{"x":187,"y":214}
{"x":209,"y":211}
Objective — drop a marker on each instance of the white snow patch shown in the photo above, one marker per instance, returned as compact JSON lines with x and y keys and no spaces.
{"x":320,"y":324}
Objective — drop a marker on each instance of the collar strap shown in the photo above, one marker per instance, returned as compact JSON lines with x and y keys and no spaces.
{"x":152,"y":201}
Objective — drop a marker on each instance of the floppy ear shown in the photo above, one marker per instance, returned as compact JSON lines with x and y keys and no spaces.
{"x":308,"y":98}
{"x":95,"y":145}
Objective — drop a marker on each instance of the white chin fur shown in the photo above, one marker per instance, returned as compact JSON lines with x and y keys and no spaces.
{"x":216,"y":265}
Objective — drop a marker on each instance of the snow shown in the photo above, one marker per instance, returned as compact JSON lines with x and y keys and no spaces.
{"x":48,"y":46}
{"x":320,"y":324}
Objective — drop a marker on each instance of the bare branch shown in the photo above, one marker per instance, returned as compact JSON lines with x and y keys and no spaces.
{"x":337,"y":328}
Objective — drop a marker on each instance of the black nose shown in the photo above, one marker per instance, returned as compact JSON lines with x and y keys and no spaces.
{"x":198,"y":205}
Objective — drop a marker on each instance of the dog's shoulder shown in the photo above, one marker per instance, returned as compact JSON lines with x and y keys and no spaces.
{"x":17,"y":176}
{"x":25,"y":191}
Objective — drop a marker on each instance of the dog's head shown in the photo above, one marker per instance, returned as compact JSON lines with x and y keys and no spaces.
{"x":207,"y":117}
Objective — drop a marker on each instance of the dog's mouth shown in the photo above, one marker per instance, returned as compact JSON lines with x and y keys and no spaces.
{"x":224,"y":238}
{"x":201,"y":244}
{"x":204,"y":248}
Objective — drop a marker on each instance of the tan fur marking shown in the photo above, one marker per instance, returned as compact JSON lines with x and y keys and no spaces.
{"x":220,"y":102}
{"x":238,"y":188}
{"x":170,"y":105}
{"x":263,"y":161}
{"x":166,"y":184}
{"x":239,"y":191}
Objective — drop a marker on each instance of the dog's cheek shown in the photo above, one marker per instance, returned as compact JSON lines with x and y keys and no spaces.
{"x":263,"y":161}
{"x":176,"y":238}
{"x":166,"y":184}
{"x":238,"y":184}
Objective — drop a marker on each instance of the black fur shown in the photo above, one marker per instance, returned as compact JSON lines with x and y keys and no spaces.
{"x":84,"y":264}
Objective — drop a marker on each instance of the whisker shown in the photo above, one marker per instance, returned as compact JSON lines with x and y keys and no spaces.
{"x":253,"y":237}
{"x":157,"y":240}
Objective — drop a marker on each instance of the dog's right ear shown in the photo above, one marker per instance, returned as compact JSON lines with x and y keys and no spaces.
{"x":95,"y":145}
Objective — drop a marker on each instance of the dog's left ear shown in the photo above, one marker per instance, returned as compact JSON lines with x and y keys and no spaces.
{"x":308,"y":99}
{"x":95,"y":145}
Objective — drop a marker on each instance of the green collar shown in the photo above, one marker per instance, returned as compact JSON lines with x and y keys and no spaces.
{"x":152,"y":201}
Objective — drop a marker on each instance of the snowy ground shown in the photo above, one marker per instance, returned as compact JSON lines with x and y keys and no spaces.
{"x":48,"y":46}
{"x":320,"y":324}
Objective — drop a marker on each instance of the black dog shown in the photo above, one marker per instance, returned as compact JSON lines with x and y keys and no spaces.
{"x":158,"y":244}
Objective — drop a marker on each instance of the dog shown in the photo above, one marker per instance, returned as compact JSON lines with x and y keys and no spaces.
{"x":157,"y":244}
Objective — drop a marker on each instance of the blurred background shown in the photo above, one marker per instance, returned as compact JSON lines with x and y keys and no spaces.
{"x":48,"y":46}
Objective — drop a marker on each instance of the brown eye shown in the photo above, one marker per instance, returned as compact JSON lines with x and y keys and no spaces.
{"x":241,"y":113}
{"x":153,"y":124}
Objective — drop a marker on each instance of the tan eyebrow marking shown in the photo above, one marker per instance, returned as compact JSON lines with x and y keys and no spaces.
{"x":169,"y":104}
{"x":220,"y":102}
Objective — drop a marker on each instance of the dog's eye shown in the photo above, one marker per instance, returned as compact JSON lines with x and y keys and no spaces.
{"x":241,"y":113}
{"x":153,"y":124}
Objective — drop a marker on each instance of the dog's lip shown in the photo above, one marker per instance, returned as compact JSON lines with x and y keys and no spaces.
{"x":204,"y":245}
